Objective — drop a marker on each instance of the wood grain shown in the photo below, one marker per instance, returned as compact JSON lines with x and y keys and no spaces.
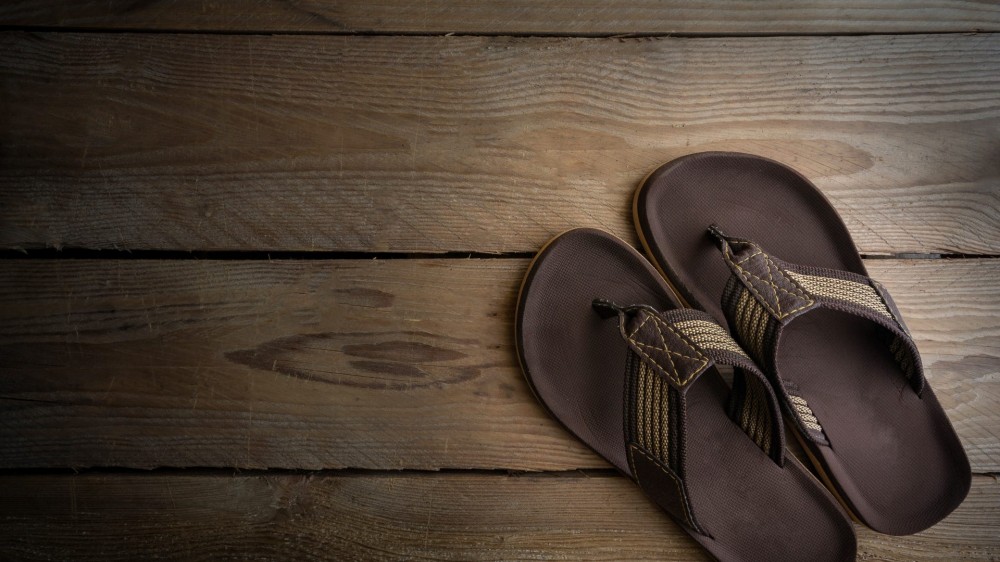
{"x":379,"y":364}
{"x":586,"y":17}
{"x":393,"y":517}
{"x":486,"y":144}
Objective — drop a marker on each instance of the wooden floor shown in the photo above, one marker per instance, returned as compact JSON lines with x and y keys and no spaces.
{"x":259,"y":259}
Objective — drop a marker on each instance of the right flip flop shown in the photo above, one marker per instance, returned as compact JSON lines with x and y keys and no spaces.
{"x":755,"y":244}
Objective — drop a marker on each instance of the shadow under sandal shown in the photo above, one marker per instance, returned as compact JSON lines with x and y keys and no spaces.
{"x":612,"y":355}
{"x":797,"y":297}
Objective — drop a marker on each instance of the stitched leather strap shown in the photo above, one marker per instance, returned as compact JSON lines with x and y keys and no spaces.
{"x":668,"y":352}
{"x":764,"y":294}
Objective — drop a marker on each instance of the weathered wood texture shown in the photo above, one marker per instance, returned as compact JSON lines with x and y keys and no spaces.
{"x":512,"y":16}
{"x":392,"y":517}
{"x":477,"y":143}
{"x":375,"y":364}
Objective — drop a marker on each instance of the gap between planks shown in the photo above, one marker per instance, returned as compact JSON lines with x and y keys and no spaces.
{"x":250,"y":255}
{"x":526,"y":35}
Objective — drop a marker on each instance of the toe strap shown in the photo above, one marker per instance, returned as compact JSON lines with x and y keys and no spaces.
{"x":667,"y":354}
{"x":764,"y":294}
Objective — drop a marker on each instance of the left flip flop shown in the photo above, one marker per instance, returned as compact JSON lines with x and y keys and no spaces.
{"x":609,"y":351}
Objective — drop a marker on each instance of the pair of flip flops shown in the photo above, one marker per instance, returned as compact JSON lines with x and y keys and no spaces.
{"x":751,"y":268}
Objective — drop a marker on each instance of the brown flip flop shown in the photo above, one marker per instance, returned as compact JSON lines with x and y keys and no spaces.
{"x":607,"y":348}
{"x":796,"y":295}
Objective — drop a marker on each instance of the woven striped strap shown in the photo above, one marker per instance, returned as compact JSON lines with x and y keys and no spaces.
{"x":668,"y":352}
{"x":765,"y":293}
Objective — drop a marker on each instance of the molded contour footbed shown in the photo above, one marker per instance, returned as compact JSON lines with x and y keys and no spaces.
{"x":893,"y":456}
{"x":575,"y":363}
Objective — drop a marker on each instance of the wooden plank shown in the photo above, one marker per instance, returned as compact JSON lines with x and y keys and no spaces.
{"x":383,"y":517}
{"x":384,"y":364}
{"x":587,"y":17}
{"x":489,"y":144}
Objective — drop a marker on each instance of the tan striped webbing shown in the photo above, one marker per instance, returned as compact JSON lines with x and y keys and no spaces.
{"x":755,"y":414}
{"x":804,"y":412}
{"x":709,"y":335}
{"x":751,"y":321}
{"x":652,"y":408}
{"x":860,"y":294}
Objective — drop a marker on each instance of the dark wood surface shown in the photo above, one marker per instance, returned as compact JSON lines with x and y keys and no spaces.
{"x":438,"y":144}
{"x":376,"y":364}
{"x":256,"y":291}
